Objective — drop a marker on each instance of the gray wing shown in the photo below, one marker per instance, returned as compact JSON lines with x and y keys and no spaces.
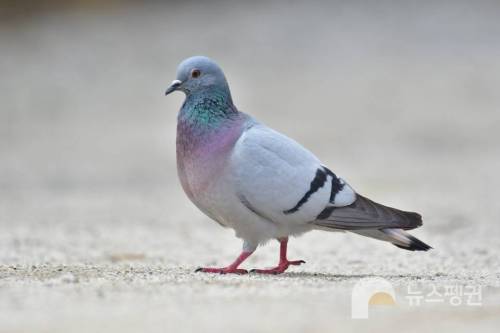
{"x":282,"y":181}
{"x":364,"y":213}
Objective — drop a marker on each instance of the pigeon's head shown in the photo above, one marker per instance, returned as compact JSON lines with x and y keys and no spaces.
{"x":197,"y":74}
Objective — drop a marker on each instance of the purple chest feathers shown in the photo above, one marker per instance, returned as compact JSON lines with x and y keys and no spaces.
{"x":202,"y":154}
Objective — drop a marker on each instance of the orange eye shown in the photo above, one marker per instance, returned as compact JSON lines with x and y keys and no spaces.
{"x":195,"y":73}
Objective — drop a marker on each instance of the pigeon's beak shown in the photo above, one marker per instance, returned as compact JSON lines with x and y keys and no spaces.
{"x":173,"y":87}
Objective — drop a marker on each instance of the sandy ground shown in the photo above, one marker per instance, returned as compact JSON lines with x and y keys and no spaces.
{"x":96,"y":234}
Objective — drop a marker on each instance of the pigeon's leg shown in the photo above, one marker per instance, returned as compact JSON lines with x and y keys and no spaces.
{"x":284,"y":262}
{"x":233,"y":268}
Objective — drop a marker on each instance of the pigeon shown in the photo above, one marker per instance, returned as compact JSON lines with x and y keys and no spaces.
{"x":262,"y":184}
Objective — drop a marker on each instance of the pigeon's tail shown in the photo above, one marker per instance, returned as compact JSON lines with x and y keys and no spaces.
{"x":397,"y":237}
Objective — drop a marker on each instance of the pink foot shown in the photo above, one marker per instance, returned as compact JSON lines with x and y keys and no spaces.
{"x":282,"y":266}
{"x":231,"y":269}
{"x":223,"y":270}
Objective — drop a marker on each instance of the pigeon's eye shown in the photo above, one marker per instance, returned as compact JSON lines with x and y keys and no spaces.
{"x":195,"y":73}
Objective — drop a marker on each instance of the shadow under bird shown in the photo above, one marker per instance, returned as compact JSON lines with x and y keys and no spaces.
{"x":264,"y":185}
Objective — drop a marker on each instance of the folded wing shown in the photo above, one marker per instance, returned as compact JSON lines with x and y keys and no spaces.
{"x":282,"y":181}
{"x":364,"y":213}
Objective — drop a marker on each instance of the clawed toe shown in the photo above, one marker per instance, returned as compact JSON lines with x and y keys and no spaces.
{"x":224,"y":270}
{"x":236,"y":271}
{"x":271,"y":271}
{"x":282,"y":267}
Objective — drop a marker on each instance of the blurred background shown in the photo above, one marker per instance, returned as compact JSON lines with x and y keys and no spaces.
{"x":400,"y":98}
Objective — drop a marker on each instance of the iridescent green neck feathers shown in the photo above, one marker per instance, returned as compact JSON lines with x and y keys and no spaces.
{"x":207,"y":108}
